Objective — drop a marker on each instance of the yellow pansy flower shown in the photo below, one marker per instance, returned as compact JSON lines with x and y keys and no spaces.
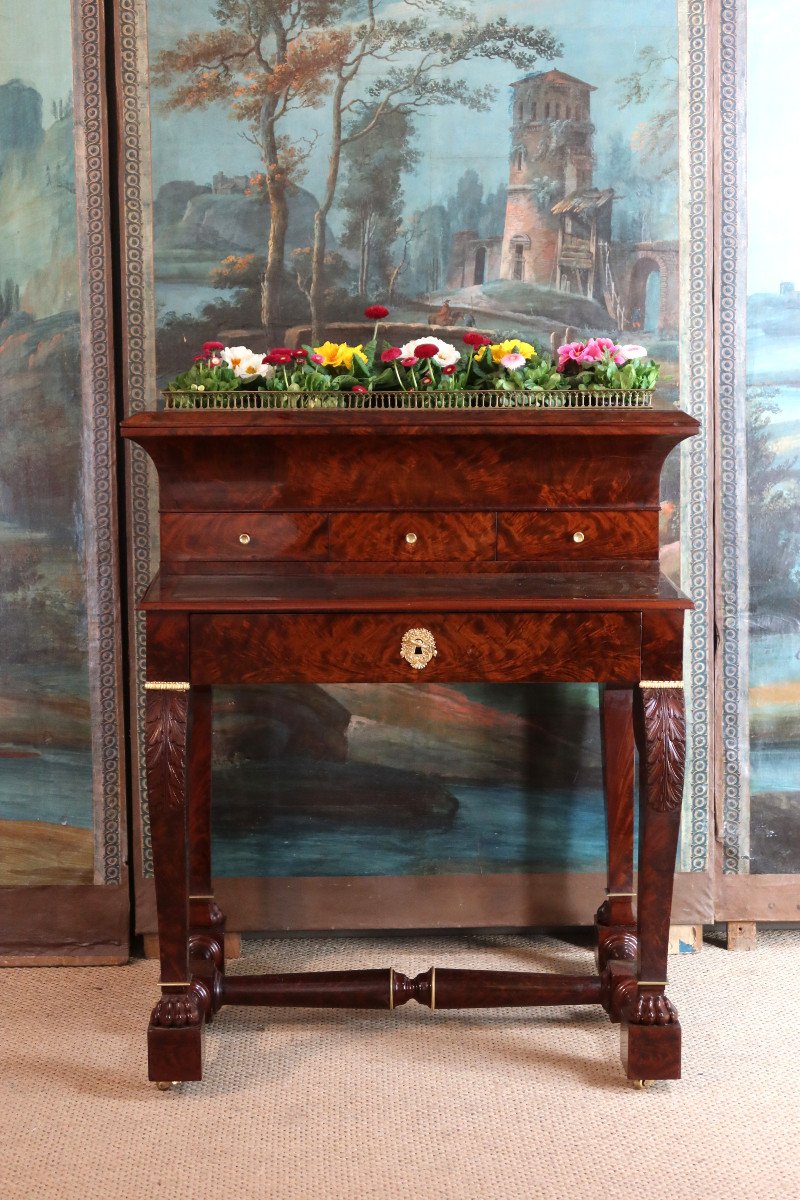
{"x":339,"y":354}
{"x":514,"y":346}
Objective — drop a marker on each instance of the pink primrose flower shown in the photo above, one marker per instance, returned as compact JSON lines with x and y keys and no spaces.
{"x":513,"y":361}
{"x":570,"y":352}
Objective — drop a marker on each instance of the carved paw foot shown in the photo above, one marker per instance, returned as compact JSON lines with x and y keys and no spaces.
{"x":174,"y":1012}
{"x":175,"y":1036}
{"x":651,"y":1009}
{"x":205,"y":913}
{"x":650,"y":1039}
{"x":184,"y":1008}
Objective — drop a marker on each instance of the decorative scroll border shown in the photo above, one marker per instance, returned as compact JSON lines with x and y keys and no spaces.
{"x":696,"y":269}
{"x":733,"y":598}
{"x":140,"y":391}
{"x":139,"y":356}
{"x":99,"y":439}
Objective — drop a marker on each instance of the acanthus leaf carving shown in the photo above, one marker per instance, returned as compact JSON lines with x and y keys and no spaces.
{"x":165,"y":740}
{"x":665,"y":737}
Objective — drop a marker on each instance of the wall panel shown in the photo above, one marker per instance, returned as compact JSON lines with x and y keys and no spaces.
{"x":63,"y":877}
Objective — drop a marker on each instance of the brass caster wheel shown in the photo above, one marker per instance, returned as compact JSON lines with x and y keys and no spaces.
{"x":643,"y":1083}
{"x":164,"y":1085}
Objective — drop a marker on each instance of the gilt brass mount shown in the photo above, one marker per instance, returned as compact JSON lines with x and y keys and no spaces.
{"x":418,"y":647}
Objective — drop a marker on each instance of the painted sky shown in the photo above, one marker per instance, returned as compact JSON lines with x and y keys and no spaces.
{"x":45,"y":62}
{"x":773,"y":172}
{"x":448,"y":135}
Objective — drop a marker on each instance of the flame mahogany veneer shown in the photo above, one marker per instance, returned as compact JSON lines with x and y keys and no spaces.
{"x":307,"y":546}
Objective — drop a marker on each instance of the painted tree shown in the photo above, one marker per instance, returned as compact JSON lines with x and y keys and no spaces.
{"x":372,"y":196}
{"x":465,"y":207}
{"x":265,"y":59}
{"x":429,"y":249}
{"x":654,"y":82}
{"x":416,"y":60}
{"x":773,"y":516}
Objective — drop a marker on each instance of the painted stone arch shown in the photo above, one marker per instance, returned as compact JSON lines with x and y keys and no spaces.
{"x":479,"y":271}
{"x":661,"y":260}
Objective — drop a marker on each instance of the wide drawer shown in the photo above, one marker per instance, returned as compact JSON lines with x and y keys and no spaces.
{"x":243,"y":536}
{"x":409,"y":536}
{"x":577,"y":534}
{"x":337,"y":648}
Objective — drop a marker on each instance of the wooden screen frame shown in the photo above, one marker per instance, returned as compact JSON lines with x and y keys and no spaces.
{"x":89,"y":923}
{"x":424,"y":901}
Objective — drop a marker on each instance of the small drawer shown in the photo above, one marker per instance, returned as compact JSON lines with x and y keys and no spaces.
{"x":405,"y":537}
{"x":243,"y":536}
{"x":577,"y":534}
{"x":418,"y":647}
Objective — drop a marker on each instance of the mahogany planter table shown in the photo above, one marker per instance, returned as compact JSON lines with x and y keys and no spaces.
{"x":415,"y":546}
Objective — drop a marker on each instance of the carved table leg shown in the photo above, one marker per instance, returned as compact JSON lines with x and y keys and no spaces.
{"x":206,"y":921}
{"x":174,"y":1037}
{"x":614,"y":921}
{"x":651,"y":1034}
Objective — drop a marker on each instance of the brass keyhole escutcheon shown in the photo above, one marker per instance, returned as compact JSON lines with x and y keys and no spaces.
{"x":244,"y":538}
{"x":418,"y":647}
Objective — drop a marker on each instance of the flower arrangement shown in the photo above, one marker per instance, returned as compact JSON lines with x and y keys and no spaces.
{"x":425,"y":364}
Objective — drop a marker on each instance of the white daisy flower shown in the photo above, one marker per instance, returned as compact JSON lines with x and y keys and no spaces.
{"x":446,"y":355}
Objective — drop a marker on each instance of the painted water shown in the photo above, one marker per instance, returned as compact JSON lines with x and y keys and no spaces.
{"x":496,"y":829}
{"x":53,"y":786}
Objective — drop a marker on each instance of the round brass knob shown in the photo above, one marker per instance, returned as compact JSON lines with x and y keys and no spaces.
{"x":411,"y":538}
{"x":579,"y":536}
{"x":244,"y":538}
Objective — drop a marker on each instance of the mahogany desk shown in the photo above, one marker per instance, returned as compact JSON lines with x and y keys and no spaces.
{"x":363,"y":546}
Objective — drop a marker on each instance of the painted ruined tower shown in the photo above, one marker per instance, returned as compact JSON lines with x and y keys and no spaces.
{"x":551,"y":158}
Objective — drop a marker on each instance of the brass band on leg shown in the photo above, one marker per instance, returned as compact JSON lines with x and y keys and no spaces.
{"x":391,"y":987}
{"x":661,"y":683}
{"x":433,"y":988}
{"x":182,"y":983}
{"x":619,"y":895}
{"x":651,"y":983}
{"x":157,"y":686}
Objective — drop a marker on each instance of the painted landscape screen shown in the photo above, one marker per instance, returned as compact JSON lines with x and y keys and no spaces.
{"x":502,"y":167}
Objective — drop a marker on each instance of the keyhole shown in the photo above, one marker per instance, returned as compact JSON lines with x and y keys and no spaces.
{"x":418,"y":649}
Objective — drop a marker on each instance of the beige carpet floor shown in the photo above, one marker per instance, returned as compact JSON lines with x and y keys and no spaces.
{"x":446,"y":1106}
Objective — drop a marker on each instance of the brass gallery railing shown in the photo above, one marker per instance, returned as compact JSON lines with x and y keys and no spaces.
{"x":403,"y":401}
